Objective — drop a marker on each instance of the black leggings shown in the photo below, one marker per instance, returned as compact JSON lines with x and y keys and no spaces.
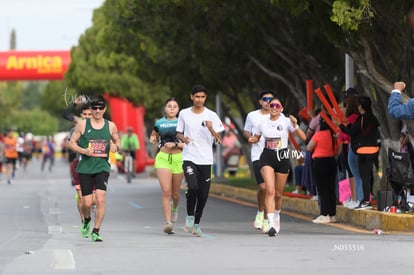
{"x":365,"y":165}
{"x":198,"y":178}
{"x":324,"y":175}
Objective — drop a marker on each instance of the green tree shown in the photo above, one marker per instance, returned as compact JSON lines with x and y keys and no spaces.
{"x":19,"y":108}
{"x":10,"y":98}
{"x":32,"y":92}
{"x":134,"y":45}
{"x":147,"y":50}
{"x":36,"y":121}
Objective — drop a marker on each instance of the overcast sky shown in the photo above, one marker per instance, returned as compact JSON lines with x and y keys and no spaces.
{"x":45,"y":24}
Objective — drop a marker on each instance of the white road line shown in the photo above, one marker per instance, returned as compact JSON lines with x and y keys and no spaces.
{"x":63,"y":259}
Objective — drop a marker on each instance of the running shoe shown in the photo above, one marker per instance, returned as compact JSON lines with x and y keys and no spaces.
{"x":277,"y":223}
{"x":258,"y":221}
{"x":197,"y":230}
{"x":272,"y":232}
{"x":168,"y":228}
{"x":364,"y":205}
{"x":265,"y":227}
{"x":174,"y":215}
{"x":96,"y":237}
{"x":333,"y":219}
{"x":189,"y":224}
{"x":322,"y":219}
{"x":347,"y":202}
{"x":85,"y":229}
{"x":353,"y":204}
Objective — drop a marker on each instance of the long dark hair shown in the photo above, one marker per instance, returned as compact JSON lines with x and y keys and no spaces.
{"x":352,"y":106}
{"x":365,"y":103}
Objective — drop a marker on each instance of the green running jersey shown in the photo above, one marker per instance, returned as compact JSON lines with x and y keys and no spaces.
{"x":99,"y":141}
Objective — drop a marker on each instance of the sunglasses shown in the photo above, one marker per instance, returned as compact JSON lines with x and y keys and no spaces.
{"x":275,"y":105}
{"x":97,"y":107}
{"x":267,"y":99}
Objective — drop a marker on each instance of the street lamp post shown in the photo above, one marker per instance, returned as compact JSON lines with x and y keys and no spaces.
{"x":349,"y":72}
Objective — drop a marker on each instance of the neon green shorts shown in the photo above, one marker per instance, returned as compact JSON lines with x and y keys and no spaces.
{"x":173,"y":162}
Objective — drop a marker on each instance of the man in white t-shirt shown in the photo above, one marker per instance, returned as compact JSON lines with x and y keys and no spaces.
{"x":253,"y":119}
{"x":198,"y":127}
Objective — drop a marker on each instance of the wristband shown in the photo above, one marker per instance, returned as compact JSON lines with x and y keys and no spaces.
{"x":296,"y":127}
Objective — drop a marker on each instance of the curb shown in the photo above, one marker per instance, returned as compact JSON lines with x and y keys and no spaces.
{"x":366,"y":219}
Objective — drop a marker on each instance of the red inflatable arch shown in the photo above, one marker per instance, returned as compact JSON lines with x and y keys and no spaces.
{"x":124,"y":114}
{"x":52,"y":65}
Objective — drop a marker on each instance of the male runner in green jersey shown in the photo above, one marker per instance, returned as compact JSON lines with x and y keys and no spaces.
{"x":92,"y":139}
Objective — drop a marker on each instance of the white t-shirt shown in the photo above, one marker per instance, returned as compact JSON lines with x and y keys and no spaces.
{"x":20,"y":142}
{"x":200,"y":148}
{"x":275,"y":133}
{"x":253,"y":119}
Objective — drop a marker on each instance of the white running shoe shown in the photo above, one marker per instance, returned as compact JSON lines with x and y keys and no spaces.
{"x":353,"y":204}
{"x":322,"y":219}
{"x":348,"y":201}
{"x":277,"y":223}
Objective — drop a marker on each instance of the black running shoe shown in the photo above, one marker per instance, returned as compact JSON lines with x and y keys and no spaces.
{"x":271,"y":232}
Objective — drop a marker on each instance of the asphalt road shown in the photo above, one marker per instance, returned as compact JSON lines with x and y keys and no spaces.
{"x":39,"y":234}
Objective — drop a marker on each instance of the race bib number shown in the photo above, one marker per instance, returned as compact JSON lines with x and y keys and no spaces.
{"x":98,"y":147}
{"x":273,"y":143}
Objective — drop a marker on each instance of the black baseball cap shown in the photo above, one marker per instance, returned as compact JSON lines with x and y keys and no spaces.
{"x":98,"y":100}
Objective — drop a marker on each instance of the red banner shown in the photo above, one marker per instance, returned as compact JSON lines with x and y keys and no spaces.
{"x":33,"y":65}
